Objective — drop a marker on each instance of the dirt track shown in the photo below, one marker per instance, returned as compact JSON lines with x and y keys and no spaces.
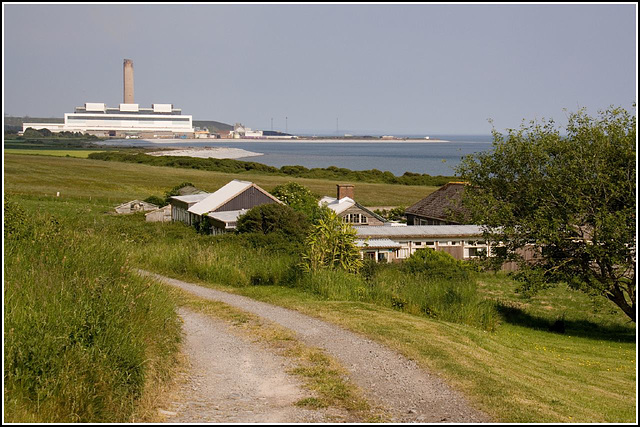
{"x":233,"y":380}
{"x":387,"y":378}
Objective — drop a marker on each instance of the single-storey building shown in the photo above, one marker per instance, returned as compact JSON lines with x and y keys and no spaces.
{"x":221,"y":208}
{"x":159,"y":215}
{"x":135,"y":206}
{"x":387,"y":244}
{"x":348,"y":209}
{"x":442,"y":207}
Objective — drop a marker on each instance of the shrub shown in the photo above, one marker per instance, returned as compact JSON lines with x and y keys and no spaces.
{"x":298,"y":197}
{"x":436,"y":264}
{"x":273,"y":218}
{"x":155,"y":200}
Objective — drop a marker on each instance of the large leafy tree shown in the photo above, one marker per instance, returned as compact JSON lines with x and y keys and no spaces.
{"x":299,"y":198}
{"x":570,"y":194}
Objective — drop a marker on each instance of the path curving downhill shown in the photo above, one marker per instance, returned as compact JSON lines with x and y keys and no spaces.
{"x":409,"y":393}
{"x":234,"y":380}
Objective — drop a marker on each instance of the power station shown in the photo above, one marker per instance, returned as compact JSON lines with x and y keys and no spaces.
{"x":126,"y":120}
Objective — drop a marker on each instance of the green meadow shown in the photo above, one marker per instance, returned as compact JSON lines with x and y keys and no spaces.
{"x":83,"y":154}
{"x":488,"y":341}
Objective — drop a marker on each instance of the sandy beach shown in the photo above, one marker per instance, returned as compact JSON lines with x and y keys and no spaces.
{"x":208,"y":153}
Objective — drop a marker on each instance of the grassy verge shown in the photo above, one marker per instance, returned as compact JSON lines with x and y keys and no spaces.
{"x":85,"y":339}
{"x":320,"y":373}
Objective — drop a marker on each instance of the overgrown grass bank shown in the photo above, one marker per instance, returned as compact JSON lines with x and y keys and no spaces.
{"x":84,"y":337}
{"x":236,"y":261}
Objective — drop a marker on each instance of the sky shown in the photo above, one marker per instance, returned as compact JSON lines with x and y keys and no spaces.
{"x":412,"y":69}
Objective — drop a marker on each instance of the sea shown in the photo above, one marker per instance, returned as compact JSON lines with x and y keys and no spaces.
{"x":396,"y":156}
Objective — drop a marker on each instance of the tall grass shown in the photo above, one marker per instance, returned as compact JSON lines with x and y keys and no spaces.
{"x":83,"y":335}
{"x":232,"y":261}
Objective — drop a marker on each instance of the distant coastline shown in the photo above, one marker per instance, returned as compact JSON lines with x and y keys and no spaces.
{"x":182,"y":141}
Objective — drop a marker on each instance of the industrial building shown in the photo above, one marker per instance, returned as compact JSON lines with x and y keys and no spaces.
{"x":126,"y":120}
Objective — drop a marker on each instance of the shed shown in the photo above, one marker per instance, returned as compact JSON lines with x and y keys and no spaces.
{"x":231,"y":199}
{"x":135,"y":206}
{"x":159,"y":215}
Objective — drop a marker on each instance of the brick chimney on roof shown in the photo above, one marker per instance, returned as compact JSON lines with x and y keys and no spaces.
{"x":345,"y":190}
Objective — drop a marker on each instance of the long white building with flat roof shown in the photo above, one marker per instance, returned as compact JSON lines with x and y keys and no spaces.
{"x":161,"y":120}
{"x":127,"y":120}
{"x":387,"y":244}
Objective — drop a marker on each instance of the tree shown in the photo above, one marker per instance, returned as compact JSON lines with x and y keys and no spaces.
{"x":299,"y":197}
{"x":273,"y":218}
{"x":331,"y":244}
{"x":573,"y":196}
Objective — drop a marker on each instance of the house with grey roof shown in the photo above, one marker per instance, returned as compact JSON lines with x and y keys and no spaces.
{"x":442,"y":207}
{"x":220,"y":210}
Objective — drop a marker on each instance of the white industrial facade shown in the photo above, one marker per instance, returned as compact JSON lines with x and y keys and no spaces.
{"x":127,"y":119}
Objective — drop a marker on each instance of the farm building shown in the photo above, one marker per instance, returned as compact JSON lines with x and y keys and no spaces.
{"x":135,"y":206}
{"x":442,"y":207}
{"x":221,"y":208}
{"x":350,"y":210}
{"x":159,"y":215}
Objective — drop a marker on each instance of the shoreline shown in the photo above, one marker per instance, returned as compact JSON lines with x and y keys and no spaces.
{"x":207,"y":153}
{"x":181,"y":141}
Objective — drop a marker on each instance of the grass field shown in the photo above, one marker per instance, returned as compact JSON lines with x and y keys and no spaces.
{"x":115,"y":182}
{"x":522,"y":372}
{"x":83,"y":154}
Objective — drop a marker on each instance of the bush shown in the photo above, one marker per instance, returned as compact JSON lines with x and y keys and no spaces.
{"x":436,"y":264}
{"x":273,"y":218}
{"x":155,"y":200}
{"x":298,"y":197}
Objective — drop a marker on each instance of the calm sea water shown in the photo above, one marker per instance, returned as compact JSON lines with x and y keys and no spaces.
{"x":434,"y":158}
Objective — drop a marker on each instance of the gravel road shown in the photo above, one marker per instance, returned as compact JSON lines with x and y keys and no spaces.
{"x":409,"y":393}
{"x":234,"y":380}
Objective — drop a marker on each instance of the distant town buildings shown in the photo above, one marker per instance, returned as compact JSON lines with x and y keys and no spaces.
{"x":242,"y":132}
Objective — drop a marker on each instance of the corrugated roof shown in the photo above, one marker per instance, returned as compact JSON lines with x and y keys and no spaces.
{"x":443,"y":204}
{"x":191,"y":198}
{"x":377,"y":243}
{"x":411,"y":231}
{"x":219,"y":197}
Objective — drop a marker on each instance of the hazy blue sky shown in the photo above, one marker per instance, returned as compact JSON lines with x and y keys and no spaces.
{"x":412,"y":69}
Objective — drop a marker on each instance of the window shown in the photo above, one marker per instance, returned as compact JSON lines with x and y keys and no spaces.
{"x":417,"y":243}
{"x":355,"y":218}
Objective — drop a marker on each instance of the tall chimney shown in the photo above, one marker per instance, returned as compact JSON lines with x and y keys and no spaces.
{"x":345,"y":190}
{"x":128,"y":81}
